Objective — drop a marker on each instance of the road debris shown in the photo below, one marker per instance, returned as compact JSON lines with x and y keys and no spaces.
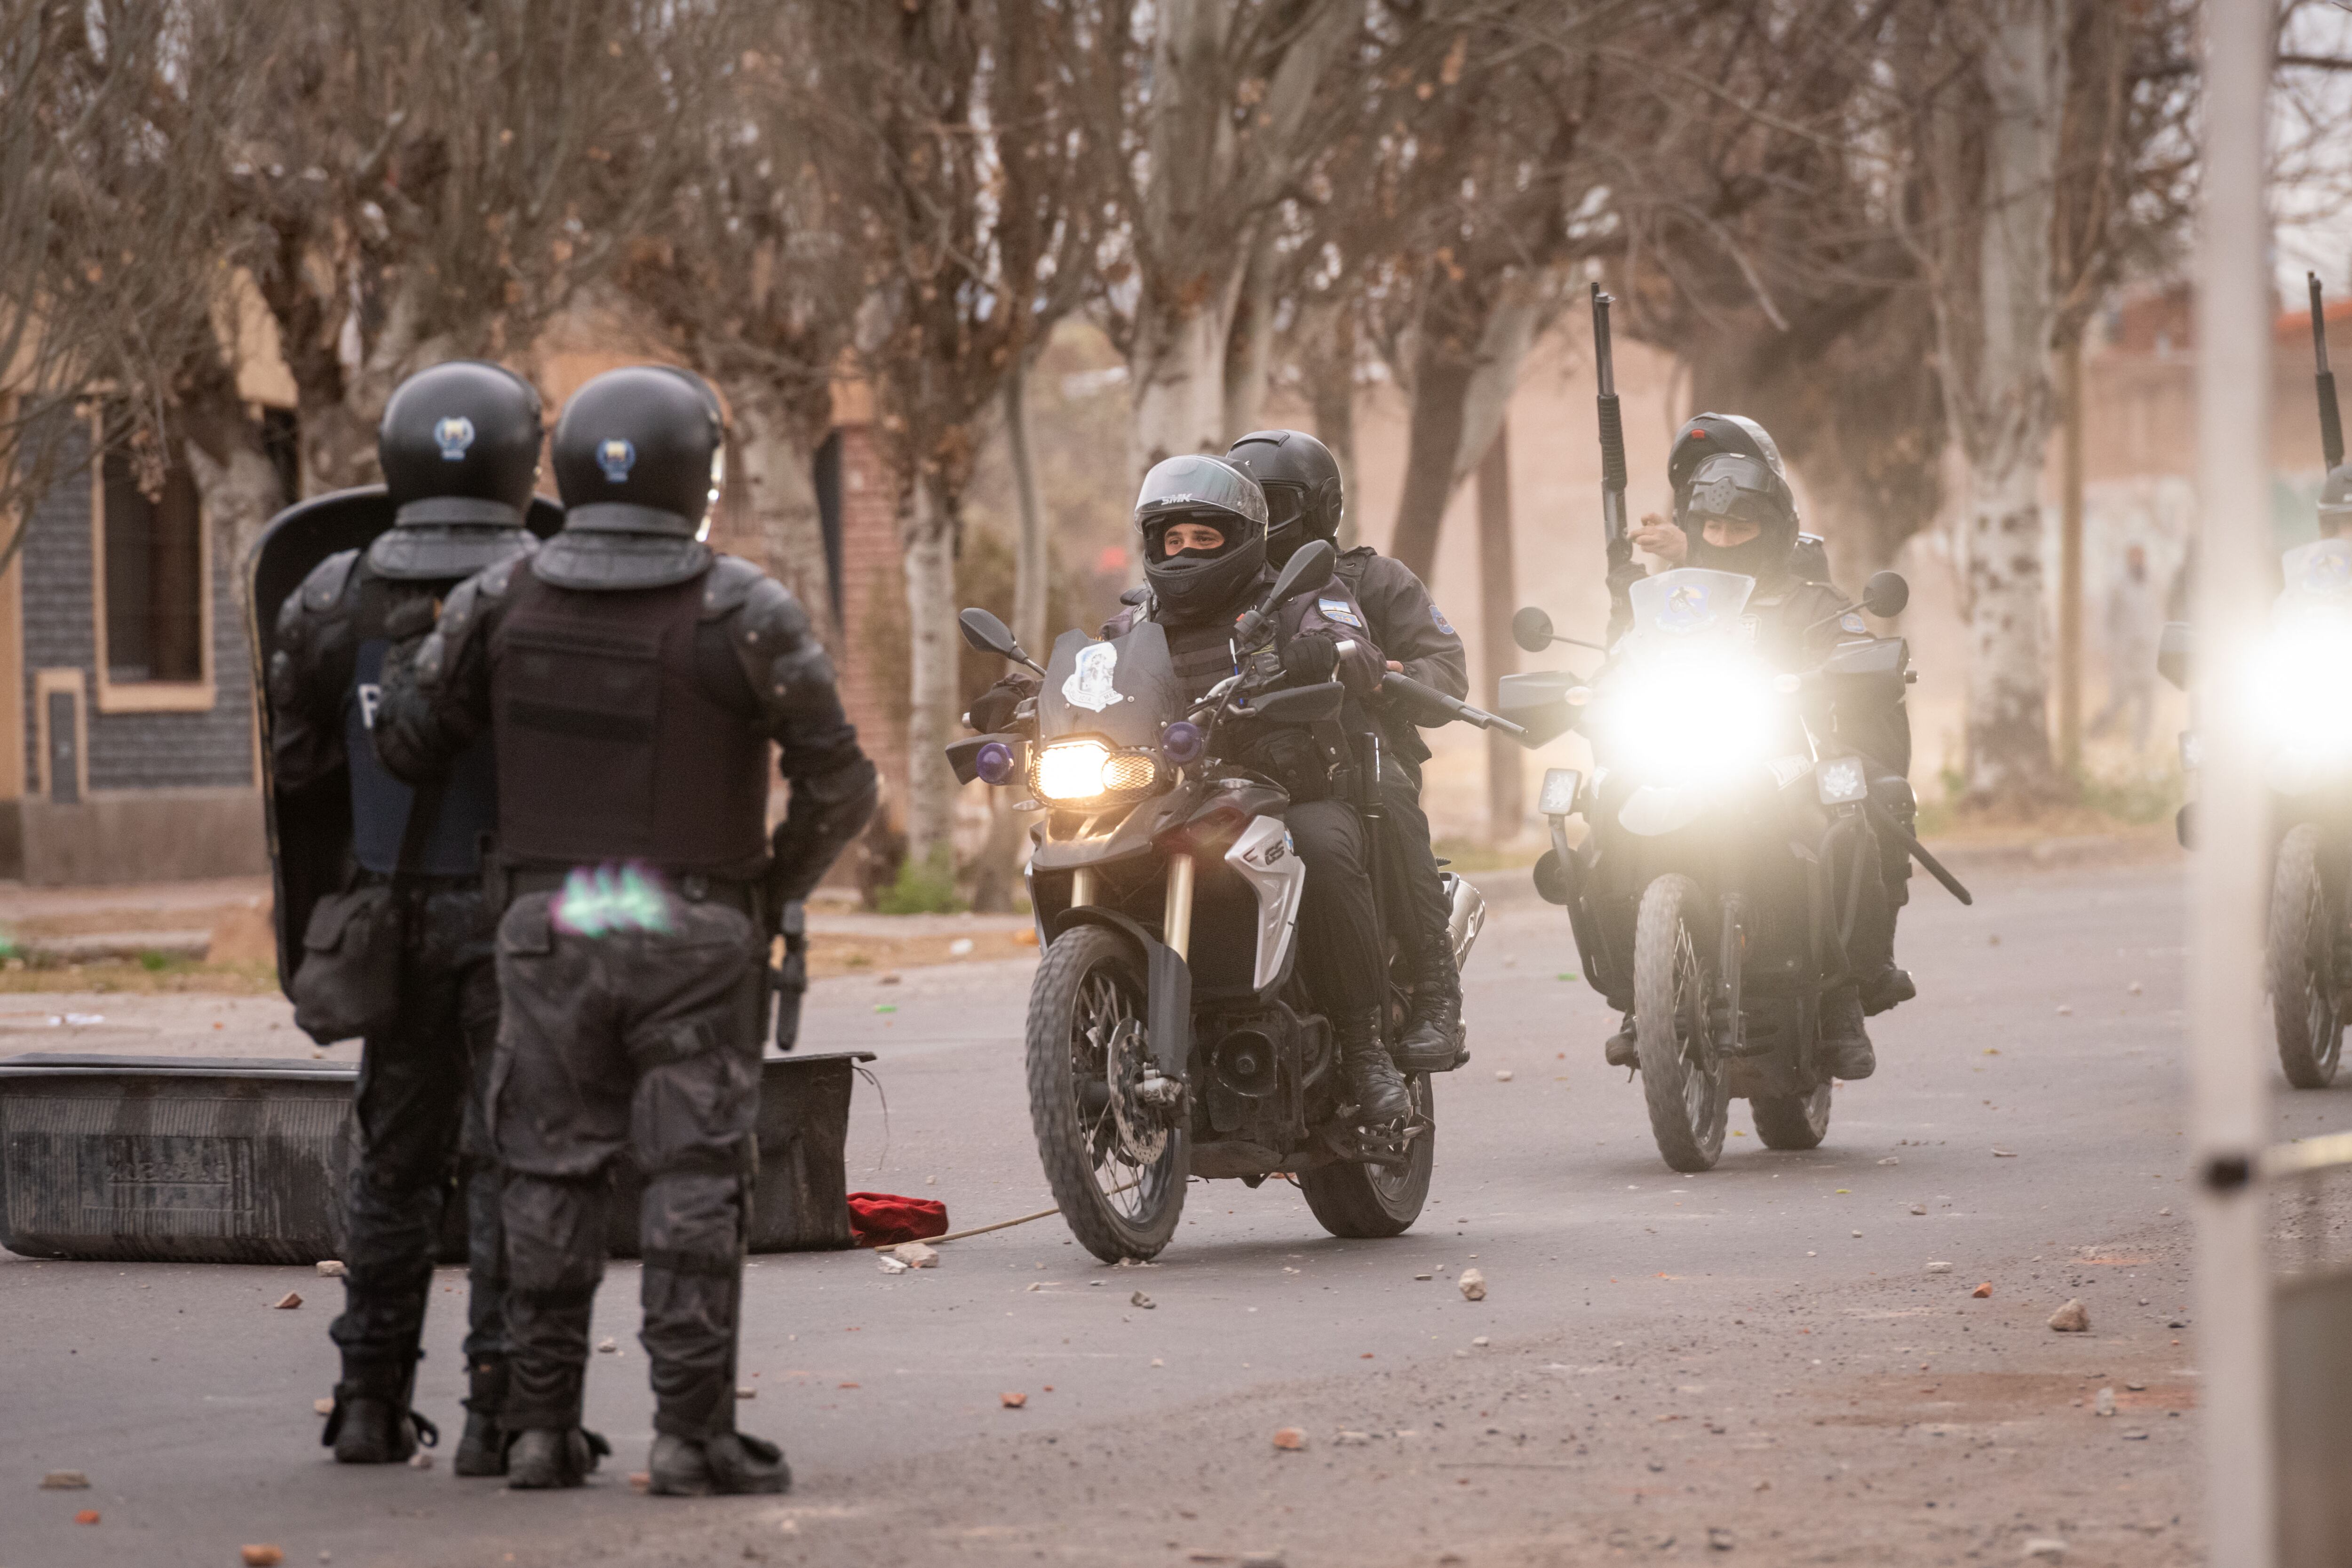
{"x":323,"y":1406}
{"x":1918,"y":1208}
{"x":1473,"y":1285}
{"x":1892,"y":1160}
{"x":608,"y":1346}
{"x":1012,"y":1400}
{"x":1502,"y":1074}
{"x":892,"y":1265}
{"x":960,"y":947}
{"x":1981,"y":1292}
{"x":1351,"y":1439}
{"x":420,"y":1460}
{"x":1939,"y":1268}
{"x":1424,"y":1276}
{"x":331,"y":1268}
{"x":747,"y":1394}
{"x":2073,"y":1319}
{"x":2104,"y":1403}
{"x":2045,"y":1549}
{"x":287,"y":1303}
{"x":915,"y":1255}
{"x":64,"y":1482}
{"x":2004,"y":1154}
{"x":1290,"y":1439}
{"x":2136,"y":1435}
{"x":87,"y":1516}
{"x":1480,"y":1341}
{"x":1142,"y":1301}
{"x":1718,"y":1539}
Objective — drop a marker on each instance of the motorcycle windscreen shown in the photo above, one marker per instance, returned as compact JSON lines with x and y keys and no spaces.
{"x":1124,"y":690}
{"x":1690,"y":602}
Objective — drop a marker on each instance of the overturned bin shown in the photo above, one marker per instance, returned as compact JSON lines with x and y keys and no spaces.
{"x":245,"y":1159}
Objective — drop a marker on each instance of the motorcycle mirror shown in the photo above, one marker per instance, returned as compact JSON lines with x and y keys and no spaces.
{"x":1531,"y":629}
{"x":1885,"y":595}
{"x":983,"y":633}
{"x":1304,"y":572}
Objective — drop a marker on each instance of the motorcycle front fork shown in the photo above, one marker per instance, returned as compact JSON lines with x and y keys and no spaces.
{"x":1731,"y":950}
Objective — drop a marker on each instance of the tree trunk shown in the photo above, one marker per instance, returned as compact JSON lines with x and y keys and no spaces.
{"x":1498,"y":595}
{"x":2070,"y":556}
{"x":2008,"y":731}
{"x":1331,"y":367}
{"x":1249,"y":345}
{"x":235,"y":481}
{"x":1033,"y":562}
{"x":1441,"y":386}
{"x":1177,"y":372}
{"x":927,"y":534}
{"x":779,"y":471}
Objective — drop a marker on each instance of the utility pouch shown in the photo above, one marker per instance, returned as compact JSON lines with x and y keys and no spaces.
{"x":348,"y":986}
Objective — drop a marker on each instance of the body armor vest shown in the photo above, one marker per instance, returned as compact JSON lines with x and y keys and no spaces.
{"x":611,"y":744}
{"x":381,"y":803}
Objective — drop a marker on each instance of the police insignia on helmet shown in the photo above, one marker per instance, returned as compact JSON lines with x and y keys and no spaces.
{"x":616,"y":456}
{"x":454,"y":434}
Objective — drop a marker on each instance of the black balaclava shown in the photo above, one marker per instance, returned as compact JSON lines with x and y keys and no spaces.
{"x":1198,"y":585}
{"x":1735,"y":485}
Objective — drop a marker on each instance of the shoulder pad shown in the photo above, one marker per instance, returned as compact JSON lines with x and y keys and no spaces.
{"x":771,"y":621}
{"x":729,"y":584}
{"x":1360,"y":551}
{"x":325,"y":584}
{"x":464,"y":601}
{"x":492,"y":582}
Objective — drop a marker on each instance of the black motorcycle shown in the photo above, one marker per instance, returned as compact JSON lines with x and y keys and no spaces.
{"x":1715,"y":890}
{"x":1170,"y":1033}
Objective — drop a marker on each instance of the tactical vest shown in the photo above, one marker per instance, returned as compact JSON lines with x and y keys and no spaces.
{"x":1202,"y":651}
{"x":381,"y":803}
{"x":610,"y":746}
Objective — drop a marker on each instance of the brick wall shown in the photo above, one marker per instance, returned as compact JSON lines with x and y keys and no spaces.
{"x":872,"y":591}
{"x":128,"y":751}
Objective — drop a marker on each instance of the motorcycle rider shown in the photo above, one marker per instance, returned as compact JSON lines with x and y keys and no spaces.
{"x":458,"y":445}
{"x":634,"y":681}
{"x":1305,"y":500}
{"x":1735,"y":512}
{"x":1203,"y":524}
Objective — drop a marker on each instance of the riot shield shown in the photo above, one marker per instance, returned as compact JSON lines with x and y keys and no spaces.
{"x":311,"y":831}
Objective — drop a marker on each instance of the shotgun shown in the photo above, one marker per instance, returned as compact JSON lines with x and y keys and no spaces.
{"x":1613,"y":437}
{"x":2331,"y":422}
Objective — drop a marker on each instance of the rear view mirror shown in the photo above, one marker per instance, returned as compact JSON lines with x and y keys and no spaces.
{"x":983,"y":633}
{"x":1531,"y":629}
{"x":1885,"y":595}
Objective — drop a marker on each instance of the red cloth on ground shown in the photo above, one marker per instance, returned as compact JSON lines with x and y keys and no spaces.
{"x":885,"y":1219}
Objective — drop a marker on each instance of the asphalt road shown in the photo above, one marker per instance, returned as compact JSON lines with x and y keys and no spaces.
{"x":2048,"y":1027}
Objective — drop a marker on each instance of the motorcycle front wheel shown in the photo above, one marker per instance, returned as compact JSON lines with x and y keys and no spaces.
{"x":2303,"y":988}
{"x":1792,"y":1121}
{"x":1683,"y":1078}
{"x":1116,"y":1168}
{"x":1369,"y":1201}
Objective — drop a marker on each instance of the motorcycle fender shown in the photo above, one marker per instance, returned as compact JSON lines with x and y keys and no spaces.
{"x":1168,"y":985}
{"x":1652,"y":810}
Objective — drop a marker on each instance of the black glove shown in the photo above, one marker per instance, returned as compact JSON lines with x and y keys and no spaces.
{"x":992,"y":711}
{"x":1310,"y":658}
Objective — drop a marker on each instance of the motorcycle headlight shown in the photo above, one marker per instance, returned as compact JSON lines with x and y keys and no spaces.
{"x":1690,"y":720}
{"x":2298,"y":690}
{"x":1073,"y":773}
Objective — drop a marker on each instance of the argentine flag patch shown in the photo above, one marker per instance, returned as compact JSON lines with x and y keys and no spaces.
{"x":1340,"y":610}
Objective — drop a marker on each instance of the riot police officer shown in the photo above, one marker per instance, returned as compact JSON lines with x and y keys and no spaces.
{"x":634,"y":681}
{"x":1305,"y":498}
{"x":460,"y":448}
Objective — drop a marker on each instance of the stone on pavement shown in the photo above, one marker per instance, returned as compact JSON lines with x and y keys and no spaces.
{"x":2073,"y":1318}
{"x":1473,"y":1285}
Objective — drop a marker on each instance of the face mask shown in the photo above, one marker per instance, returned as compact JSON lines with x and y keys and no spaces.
{"x":1764,"y":557}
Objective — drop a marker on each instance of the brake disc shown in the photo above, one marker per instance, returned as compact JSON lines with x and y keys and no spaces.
{"x":1142,"y":1128}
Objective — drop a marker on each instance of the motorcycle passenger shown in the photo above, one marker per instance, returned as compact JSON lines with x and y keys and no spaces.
{"x":1305,"y":500}
{"x":1735,"y":512}
{"x":634,"y":681}
{"x":458,"y":445}
{"x":1203,"y":529}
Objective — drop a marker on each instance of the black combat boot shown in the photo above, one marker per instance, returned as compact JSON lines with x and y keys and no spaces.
{"x":371,"y":1423}
{"x":1890,"y":987}
{"x":1845,"y":1044}
{"x":1433,"y":1030}
{"x":1373,"y":1082}
{"x":482,"y":1451}
{"x":545,"y":1458}
{"x":729,"y":1464}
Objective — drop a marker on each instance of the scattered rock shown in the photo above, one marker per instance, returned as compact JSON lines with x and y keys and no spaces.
{"x":915,"y":1255}
{"x":892,"y":1265}
{"x":1351,"y":1439}
{"x":934,"y":1181}
{"x":747,"y":1394}
{"x":2136,"y":1435}
{"x":1918,"y":1208}
{"x":2133,"y":989}
{"x":420,"y":1460}
{"x":2074,"y":1318}
{"x":331,"y":1268}
{"x":1982,"y":1292}
{"x":1473,"y":1285}
{"x":960,"y":947}
{"x":2064,"y":1011}
{"x":1940,"y":1267}
{"x":64,"y":1482}
{"x":1261,"y":1560}
{"x":2044,"y":1550}
{"x":1857,"y":1235}
{"x":1763,"y":1486}
{"x":2137,"y":1387}
{"x":1012,"y":1400}
{"x":1157,"y":1361}
{"x":1892,"y":1160}
{"x":608,"y":1346}
{"x":1142,"y":1301}
{"x":1025,"y":937}
{"x":1290,"y":1439}
{"x":2164,"y":1214}
{"x":287,"y":1303}
{"x":2103,"y":1404}
{"x":87,"y":1516}
{"x":2004,"y":1154}
{"x":323,"y":1406}
{"x":889,"y":979}
{"x":642,"y":1481}
{"x":1502,"y":1074}
{"x":2176,"y":1323}
{"x":1718,"y":1539}
{"x":1480,"y":1341}
{"x":1033,"y":1285}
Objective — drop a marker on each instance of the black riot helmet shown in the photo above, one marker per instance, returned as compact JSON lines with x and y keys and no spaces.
{"x":2336,"y":503}
{"x":640,"y":450}
{"x":458,"y":445}
{"x":1745,"y":489}
{"x":1197,"y":585}
{"x":1304,"y":494}
{"x":1704,"y":435}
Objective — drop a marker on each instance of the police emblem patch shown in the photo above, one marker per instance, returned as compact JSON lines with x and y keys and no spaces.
{"x":1089,"y":685}
{"x":616,"y":456}
{"x":1685,"y":608}
{"x":1340,"y":610}
{"x":1438,"y":617}
{"x":454,"y":434}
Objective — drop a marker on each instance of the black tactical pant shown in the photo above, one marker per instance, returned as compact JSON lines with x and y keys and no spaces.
{"x":417,"y":1108}
{"x":1338,"y":928}
{"x":636,"y":1042}
{"x":1419,"y":907}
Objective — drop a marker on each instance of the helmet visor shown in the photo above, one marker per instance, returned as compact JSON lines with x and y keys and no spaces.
{"x":1736,"y":486}
{"x":1201,"y":483}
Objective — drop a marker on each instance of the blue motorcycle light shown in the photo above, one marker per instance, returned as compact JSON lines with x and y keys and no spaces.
{"x":995,"y":763}
{"x":1182,"y":742}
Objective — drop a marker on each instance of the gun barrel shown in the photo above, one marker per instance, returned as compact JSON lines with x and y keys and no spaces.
{"x":2331,"y":420}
